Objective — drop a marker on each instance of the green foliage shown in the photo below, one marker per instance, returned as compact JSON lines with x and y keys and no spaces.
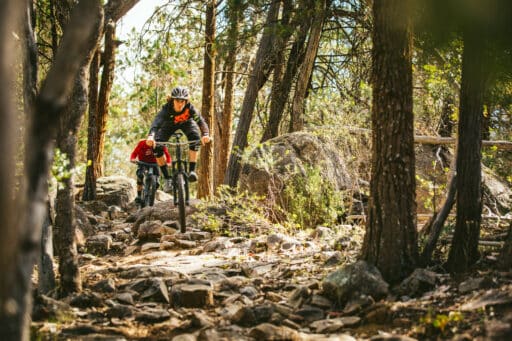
{"x":442,"y":322}
{"x":434,"y":191}
{"x":311,"y":200}
{"x":61,"y":168}
{"x":231,"y":212}
{"x":498,"y":161}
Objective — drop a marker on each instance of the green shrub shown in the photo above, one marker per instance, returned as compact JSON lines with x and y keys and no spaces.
{"x":311,"y":200}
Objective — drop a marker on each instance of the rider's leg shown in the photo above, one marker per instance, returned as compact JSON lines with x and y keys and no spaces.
{"x":139,"y":184}
{"x":192,"y":160}
{"x":160,"y":161}
{"x":162,"y":135}
{"x":191,"y":130}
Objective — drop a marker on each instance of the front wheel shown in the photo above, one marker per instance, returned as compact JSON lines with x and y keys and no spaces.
{"x":150,"y":190}
{"x":180,"y":184}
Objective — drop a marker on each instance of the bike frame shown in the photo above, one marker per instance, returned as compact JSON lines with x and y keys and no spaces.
{"x":179,"y":176}
{"x":150,"y":180}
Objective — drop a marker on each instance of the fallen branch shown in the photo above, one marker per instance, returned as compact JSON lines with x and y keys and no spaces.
{"x":503,"y":145}
{"x":438,"y":140}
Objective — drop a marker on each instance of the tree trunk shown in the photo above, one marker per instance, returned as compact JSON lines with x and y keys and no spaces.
{"x":437,"y":221}
{"x":464,"y":249}
{"x":10,"y":14}
{"x":204,"y":188}
{"x":222,"y":124}
{"x":65,"y":228}
{"x":46,"y":274}
{"x":390,"y":240}
{"x":116,"y":9}
{"x":92,"y":171}
{"x":281,"y":91}
{"x":297,"y":113}
{"x":262,"y":67}
{"x":99,"y":102}
{"x":107,"y":77}
{"x":21,"y":251}
{"x":505,"y":259}
{"x":486,"y":123}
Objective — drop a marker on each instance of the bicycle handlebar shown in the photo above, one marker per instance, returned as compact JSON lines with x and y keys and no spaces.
{"x":149,"y":164}
{"x":184,"y":143}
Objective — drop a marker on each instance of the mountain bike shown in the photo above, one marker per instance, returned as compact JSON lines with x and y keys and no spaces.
{"x":179,"y":175}
{"x":150,"y":183}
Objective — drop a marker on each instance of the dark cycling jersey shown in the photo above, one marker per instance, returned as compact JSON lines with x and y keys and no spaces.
{"x":169,"y":120}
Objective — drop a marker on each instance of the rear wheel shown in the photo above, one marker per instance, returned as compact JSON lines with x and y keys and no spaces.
{"x":180,"y":184}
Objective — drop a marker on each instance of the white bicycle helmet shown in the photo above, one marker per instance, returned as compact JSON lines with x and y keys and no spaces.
{"x":180,"y":92}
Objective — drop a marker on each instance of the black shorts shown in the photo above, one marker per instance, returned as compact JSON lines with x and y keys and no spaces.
{"x":189,"y":128}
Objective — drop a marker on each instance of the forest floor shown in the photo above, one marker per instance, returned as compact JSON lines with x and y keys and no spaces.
{"x":264,"y":285}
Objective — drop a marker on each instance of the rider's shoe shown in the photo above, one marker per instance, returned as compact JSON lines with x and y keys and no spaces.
{"x":192,"y":177}
{"x":168,"y":185}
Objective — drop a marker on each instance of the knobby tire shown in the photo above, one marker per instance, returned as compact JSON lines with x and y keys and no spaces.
{"x":180,"y":183}
{"x":150,"y":190}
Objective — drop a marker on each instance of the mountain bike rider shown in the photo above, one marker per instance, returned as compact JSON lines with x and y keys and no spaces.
{"x":178,"y":113}
{"x":143,"y":151}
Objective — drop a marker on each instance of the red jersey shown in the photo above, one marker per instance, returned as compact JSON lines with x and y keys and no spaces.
{"x":143,"y":152}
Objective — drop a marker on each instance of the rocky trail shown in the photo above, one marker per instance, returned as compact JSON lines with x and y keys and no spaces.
{"x":143,"y":280}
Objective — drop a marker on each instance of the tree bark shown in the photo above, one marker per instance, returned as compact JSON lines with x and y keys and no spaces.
{"x":92,"y":172}
{"x":464,"y":249}
{"x":116,"y":9}
{"x":222,"y":124}
{"x":297,"y":113}
{"x":99,"y":105}
{"x":21,"y":251}
{"x":107,"y":77}
{"x":390,"y":240}
{"x":46,"y":274}
{"x":505,"y":259}
{"x":281,"y":91}
{"x":65,"y":228}
{"x":262,"y":67}
{"x":204,"y":188}
{"x":11,"y":13}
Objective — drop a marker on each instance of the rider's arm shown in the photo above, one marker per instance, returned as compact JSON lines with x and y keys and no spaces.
{"x":158,"y":121}
{"x":196,"y":116}
{"x":135,"y":152}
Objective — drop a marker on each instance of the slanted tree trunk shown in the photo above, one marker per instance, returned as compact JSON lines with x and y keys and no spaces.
{"x":204,"y":188}
{"x":21,"y":252}
{"x":435,"y":224}
{"x":114,"y":10}
{"x":65,"y":228}
{"x":390,"y":241}
{"x":306,"y":69}
{"x":93,"y":170}
{"x":222,"y":125}
{"x":107,"y":77}
{"x":464,"y":249}
{"x":97,"y":128}
{"x":46,"y":274}
{"x":281,"y":91}
{"x":262,"y":67}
